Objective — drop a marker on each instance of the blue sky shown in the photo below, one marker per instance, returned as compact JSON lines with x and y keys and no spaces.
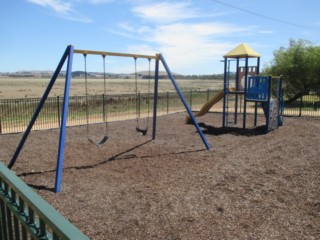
{"x":192,"y":35}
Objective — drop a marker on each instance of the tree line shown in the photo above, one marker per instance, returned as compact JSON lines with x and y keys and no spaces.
{"x":299,"y":64}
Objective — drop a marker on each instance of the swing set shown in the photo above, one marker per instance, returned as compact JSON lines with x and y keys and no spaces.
{"x":68,"y":56}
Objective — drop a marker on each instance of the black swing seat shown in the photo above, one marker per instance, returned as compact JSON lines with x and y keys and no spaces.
{"x":141,"y":132}
{"x":98,"y":144}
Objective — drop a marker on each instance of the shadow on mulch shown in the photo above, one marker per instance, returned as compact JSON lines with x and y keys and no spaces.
{"x":208,"y":129}
{"x":41,"y":187}
{"x":124,"y":155}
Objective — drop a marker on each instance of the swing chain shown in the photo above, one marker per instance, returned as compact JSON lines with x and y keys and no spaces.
{"x":138,"y":129}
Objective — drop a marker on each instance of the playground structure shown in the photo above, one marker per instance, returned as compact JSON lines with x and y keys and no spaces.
{"x":265,"y":90}
{"x":248,"y":87}
{"x":254,"y":88}
{"x":68,"y":56}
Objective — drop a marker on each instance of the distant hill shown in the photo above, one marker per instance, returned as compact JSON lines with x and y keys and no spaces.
{"x":81,"y":74}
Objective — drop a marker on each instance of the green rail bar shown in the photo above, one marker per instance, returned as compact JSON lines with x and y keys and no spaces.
{"x":24,"y":213}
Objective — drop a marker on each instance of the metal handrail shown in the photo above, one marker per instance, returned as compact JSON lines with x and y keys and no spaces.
{"x":24,"y":213}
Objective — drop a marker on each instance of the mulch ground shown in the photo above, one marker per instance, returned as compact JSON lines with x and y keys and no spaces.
{"x":248,"y":186}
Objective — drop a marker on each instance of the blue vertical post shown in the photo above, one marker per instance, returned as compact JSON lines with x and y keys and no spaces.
{"x":256,"y":103}
{"x":208,"y":146}
{"x":63,"y":128}
{"x":255,"y":114}
{"x":155,"y":98}
{"x":236,"y":97}
{"x":268,"y":104}
{"x":225,"y":93}
{"x":38,"y":109}
{"x":280,"y":103}
{"x":245,"y":94}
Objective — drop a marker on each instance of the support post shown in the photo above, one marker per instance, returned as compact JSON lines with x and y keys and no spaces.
{"x":58,"y":110}
{"x":245,"y":94}
{"x":255,"y":113}
{"x":64,"y":118}
{"x":208,"y":146}
{"x":268,"y":104}
{"x":38,"y":110}
{"x":236,"y":95}
{"x":155,"y":98}
{"x":168,"y":102}
{"x":225,"y":93}
{"x":256,"y":104}
{"x":281,"y":103}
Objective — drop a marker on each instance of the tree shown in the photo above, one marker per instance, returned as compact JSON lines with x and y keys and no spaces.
{"x":299,"y":64}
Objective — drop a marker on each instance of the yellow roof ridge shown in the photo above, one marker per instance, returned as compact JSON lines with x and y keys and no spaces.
{"x":241,"y":51}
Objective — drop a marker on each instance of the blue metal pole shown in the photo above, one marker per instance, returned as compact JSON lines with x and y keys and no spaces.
{"x":225,"y":79}
{"x":155,"y":99}
{"x":268,"y":104}
{"x":281,"y":103}
{"x":236,"y":97}
{"x":38,"y":110}
{"x":245,"y":94}
{"x":208,"y":146}
{"x":64,"y":118}
{"x":256,"y":104}
{"x":255,"y":114}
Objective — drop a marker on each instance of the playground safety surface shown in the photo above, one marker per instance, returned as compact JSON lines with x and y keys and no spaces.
{"x":248,"y":186}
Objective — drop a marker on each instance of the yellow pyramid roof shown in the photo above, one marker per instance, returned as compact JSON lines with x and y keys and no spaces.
{"x":242,"y":51}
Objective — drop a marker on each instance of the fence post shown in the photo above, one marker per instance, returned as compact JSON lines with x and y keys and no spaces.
{"x":167,"y":102}
{"x":139,"y":104}
{"x":300,"y":106}
{"x":58,"y":108}
{"x":191,"y":98}
{"x":103,"y":108}
{"x":208,"y":93}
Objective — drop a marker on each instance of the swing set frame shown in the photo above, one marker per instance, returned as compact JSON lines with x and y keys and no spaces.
{"x":68,"y":56}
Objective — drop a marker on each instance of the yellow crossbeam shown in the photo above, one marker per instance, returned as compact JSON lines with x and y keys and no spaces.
{"x":157,"y":56}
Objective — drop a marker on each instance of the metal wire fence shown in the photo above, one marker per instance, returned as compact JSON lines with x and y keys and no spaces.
{"x":15,"y":114}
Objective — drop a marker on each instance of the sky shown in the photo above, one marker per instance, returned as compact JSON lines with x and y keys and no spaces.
{"x":192,"y":35}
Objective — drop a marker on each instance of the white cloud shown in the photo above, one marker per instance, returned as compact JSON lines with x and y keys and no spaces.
{"x":62,"y":9}
{"x":55,"y":5}
{"x":142,"y":48}
{"x":100,"y":1}
{"x":129,"y":27}
{"x":190,"y":45}
{"x":187,"y":45}
{"x":165,"y":12}
{"x":266,"y":31}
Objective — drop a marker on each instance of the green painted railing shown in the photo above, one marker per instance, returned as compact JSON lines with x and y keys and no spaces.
{"x":26,"y":215}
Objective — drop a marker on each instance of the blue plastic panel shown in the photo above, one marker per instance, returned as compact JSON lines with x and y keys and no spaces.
{"x":257,"y":88}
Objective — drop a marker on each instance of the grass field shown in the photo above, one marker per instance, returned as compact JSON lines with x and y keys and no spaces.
{"x":35,"y":87}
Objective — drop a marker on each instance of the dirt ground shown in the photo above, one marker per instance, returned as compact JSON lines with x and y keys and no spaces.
{"x":248,"y":186}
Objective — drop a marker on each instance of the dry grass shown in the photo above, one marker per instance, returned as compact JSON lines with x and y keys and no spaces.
{"x":35,"y":87}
